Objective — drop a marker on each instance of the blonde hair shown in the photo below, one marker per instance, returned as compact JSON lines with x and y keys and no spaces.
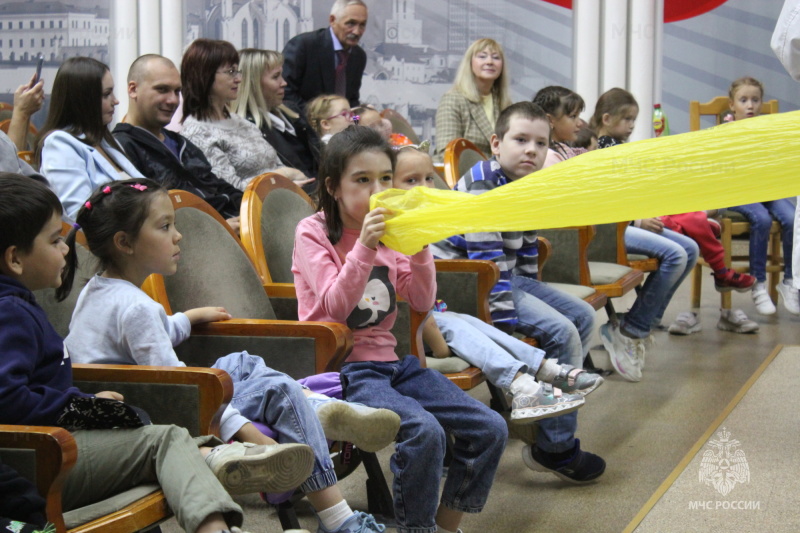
{"x":615,"y":102}
{"x":250,"y":100}
{"x":319,"y":109}
{"x":464,"y":83}
{"x":744,"y":81}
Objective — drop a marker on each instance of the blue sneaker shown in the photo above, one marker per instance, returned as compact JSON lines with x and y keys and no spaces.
{"x":358,"y":523}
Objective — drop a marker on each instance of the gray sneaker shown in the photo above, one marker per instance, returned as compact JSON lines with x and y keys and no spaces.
{"x":685,"y":323}
{"x":548,"y":401}
{"x":735,"y":320}
{"x":368,"y":428}
{"x":244,"y":468}
{"x":626,"y":355}
{"x":578,"y":381}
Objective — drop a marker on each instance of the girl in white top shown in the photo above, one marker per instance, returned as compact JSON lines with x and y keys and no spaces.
{"x":237,"y":152}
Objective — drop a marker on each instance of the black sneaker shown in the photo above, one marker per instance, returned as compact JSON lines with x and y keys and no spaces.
{"x":581,"y":467}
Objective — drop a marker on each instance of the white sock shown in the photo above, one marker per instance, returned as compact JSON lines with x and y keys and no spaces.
{"x":440,"y":529}
{"x":524,"y":383}
{"x":332,"y":518}
{"x":548,"y":370}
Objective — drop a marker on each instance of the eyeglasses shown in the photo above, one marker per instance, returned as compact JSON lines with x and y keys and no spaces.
{"x":231,"y":72}
{"x":348,"y":114}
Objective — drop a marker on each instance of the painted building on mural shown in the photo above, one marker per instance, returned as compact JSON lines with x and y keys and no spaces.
{"x":57,"y":30}
{"x":266,"y":24}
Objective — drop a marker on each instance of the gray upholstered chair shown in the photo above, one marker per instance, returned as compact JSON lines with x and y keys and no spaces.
{"x":609,"y":268}
{"x":460,"y":155}
{"x":400,"y":125}
{"x":567,"y":263}
{"x":216,"y":271}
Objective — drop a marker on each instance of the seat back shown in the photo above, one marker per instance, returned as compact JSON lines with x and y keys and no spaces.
{"x":460,"y":155}
{"x":716,"y":106}
{"x":60,"y":313}
{"x":567,"y":261}
{"x":216,"y":270}
{"x":608,"y":245}
{"x":30,"y":137}
{"x":400,"y":125}
{"x":272,"y":207}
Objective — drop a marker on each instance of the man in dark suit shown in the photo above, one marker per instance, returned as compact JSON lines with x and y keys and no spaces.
{"x":329,"y":60}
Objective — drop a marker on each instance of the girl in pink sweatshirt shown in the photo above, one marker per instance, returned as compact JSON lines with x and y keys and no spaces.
{"x":343,"y":274}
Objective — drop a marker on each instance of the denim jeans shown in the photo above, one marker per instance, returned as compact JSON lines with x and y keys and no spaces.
{"x":563,"y":324}
{"x":430,"y":407}
{"x":760,"y":218}
{"x":499,"y":355}
{"x":273,"y":398}
{"x":677,"y":255}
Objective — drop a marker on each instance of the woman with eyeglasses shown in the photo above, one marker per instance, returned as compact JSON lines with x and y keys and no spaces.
{"x":237,"y":152}
{"x":260,"y":101}
{"x":329,"y":114}
{"x":75,"y":149}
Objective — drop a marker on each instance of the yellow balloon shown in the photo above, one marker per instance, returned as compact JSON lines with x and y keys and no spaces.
{"x":753,"y":160}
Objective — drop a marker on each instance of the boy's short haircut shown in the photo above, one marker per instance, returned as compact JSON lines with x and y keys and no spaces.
{"x":523,"y":109}
{"x":26,"y":205}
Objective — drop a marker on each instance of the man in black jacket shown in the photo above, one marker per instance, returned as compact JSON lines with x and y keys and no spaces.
{"x":154,"y":87}
{"x":329,"y":60}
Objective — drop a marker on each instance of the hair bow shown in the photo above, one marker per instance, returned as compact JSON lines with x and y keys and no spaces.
{"x":139,"y":186}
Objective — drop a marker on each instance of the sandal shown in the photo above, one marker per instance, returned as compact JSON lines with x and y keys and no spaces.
{"x":574,"y":380}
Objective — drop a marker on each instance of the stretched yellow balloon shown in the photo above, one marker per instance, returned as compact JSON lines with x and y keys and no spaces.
{"x":753,"y":160}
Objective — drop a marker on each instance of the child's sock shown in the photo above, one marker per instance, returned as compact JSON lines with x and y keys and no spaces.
{"x":440,"y":529}
{"x":524,"y":384}
{"x":548,"y":370}
{"x":332,"y":518}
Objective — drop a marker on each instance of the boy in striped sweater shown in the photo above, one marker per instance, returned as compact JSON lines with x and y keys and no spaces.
{"x":519,"y":302}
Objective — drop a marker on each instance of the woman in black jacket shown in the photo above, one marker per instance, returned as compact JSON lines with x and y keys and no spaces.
{"x":260,"y":101}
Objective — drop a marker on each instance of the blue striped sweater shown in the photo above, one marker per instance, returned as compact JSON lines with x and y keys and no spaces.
{"x":515,"y":252}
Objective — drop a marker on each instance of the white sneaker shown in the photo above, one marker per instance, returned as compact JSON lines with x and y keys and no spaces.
{"x":789,"y":296}
{"x":735,"y":320}
{"x":244,"y":467}
{"x":685,"y":323}
{"x":369,"y":429}
{"x":763,"y":302}
{"x":626,"y":354}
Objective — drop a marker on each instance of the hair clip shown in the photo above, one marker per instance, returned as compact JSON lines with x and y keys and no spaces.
{"x":107,"y":189}
{"x":139,"y":186}
{"x":88,"y":205}
{"x":76,"y":225}
{"x":355,"y":119}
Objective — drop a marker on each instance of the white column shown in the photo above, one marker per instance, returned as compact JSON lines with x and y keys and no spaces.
{"x":586,"y":51}
{"x":150,"y":26}
{"x":615,"y":45}
{"x":123,"y":44}
{"x":173,"y":30}
{"x":658,"y":75}
{"x":641,"y":51}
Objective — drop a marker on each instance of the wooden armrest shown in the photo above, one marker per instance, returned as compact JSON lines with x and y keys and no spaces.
{"x":545,"y":249}
{"x":333,"y":342}
{"x":280,"y":290}
{"x":585,"y":236}
{"x":56,"y":453}
{"x":215,"y":385}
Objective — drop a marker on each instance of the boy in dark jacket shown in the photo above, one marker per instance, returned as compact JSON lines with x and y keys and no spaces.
{"x":36,"y":386}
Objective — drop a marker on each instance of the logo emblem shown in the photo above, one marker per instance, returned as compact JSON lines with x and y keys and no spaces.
{"x":724,"y":466}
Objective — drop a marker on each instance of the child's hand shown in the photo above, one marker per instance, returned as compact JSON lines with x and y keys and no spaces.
{"x":110,"y":395}
{"x":201,"y":315}
{"x":652,"y":224}
{"x":374,"y":227}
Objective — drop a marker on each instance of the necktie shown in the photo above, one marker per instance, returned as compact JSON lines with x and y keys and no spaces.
{"x":340,"y":83}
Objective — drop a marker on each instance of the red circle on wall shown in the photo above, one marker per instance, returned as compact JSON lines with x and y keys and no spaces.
{"x":674,"y":10}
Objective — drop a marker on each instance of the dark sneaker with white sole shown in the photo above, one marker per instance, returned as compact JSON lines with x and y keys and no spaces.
{"x":579,"y":467}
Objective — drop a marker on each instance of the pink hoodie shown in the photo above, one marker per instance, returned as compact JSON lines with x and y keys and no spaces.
{"x":355,"y":285}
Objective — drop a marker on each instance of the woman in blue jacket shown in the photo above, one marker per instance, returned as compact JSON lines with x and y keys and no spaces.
{"x":76,"y":150}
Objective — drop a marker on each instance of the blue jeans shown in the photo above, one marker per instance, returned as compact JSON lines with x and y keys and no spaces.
{"x":677,"y":255}
{"x":563,"y":324}
{"x":273,"y":398}
{"x":499,"y":355}
{"x":430,"y":407}
{"x":760,"y":218}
